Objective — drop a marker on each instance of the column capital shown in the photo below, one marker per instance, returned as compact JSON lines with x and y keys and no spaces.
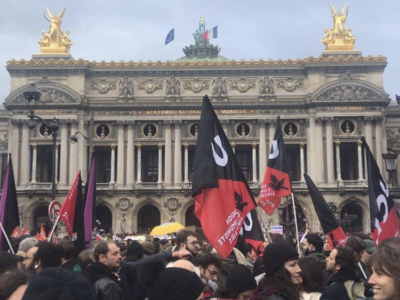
{"x":233,"y":144}
{"x":63,"y":123}
{"x":254,"y":145}
{"x":262,"y":122}
{"x":15,"y":122}
{"x":337,"y":143}
{"x":186,"y":145}
{"x":368,"y":120}
{"x":359,"y":143}
{"x":378,"y":119}
{"x":112,"y":146}
{"x":57,"y":145}
{"x":73,"y":122}
{"x":177,"y":122}
{"x":24,"y":122}
{"x":120,"y":123}
{"x":224,"y":122}
{"x":318,"y":121}
{"x":329,"y":121}
{"x":130,"y":123}
{"x":139,"y":146}
{"x":160,"y":146}
{"x":167,"y":123}
{"x":272,"y":122}
{"x":34,"y":145}
{"x":302,"y":145}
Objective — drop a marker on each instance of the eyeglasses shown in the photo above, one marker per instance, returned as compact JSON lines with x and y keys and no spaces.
{"x":212,"y":273}
{"x":194,"y":243}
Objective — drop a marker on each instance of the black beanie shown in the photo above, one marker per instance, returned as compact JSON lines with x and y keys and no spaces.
{"x":276,"y":254}
{"x":240,"y":280}
{"x":135,"y":249}
{"x":58,"y":284}
{"x":176,"y":284}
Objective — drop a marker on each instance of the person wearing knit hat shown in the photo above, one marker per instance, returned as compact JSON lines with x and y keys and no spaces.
{"x":59,"y":284}
{"x":148,"y":248}
{"x":240,"y":284}
{"x":176,"y":284}
{"x":134,"y":252}
{"x":282,"y":273}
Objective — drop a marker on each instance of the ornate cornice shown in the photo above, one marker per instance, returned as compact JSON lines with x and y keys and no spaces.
{"x":177,"y":64}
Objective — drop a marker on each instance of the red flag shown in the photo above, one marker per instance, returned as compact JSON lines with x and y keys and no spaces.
{"x":329,"y":224}
{"x":385,"y":222}
{"x":223,"y":197}
{"x":25,"y":231}
{"x":276,"y":182}
{"x":67,"y":211}
{"x":42,"y":235}
{"x":15,"y":232}
{"x":37,"y":236}
{"x":99,"y":237}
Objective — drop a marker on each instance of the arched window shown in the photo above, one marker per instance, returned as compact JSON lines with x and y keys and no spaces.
{"x":103,"y":219}
{"x":148,"y":218}
{"x":190,"y":218}
{"x":351,"y":217}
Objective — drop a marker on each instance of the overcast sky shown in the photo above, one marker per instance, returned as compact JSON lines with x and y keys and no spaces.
{"x":254,"y":29}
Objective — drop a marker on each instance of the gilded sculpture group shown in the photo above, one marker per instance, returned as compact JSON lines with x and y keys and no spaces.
{"x":336,"y":39}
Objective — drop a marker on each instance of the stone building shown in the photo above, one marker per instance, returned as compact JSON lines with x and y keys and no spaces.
{"x":142,"y":120}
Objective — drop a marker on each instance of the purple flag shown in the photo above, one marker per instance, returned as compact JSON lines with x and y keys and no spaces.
{"x":9,"y":214}
{"x":90,"y":201}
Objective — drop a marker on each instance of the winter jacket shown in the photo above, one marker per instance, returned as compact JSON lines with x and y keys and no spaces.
{"x":104,"y":282}
{"x":311,"y":296}
{"x":320,"y":257}
{"x":343,"y":285}
{"x":267,"y":292}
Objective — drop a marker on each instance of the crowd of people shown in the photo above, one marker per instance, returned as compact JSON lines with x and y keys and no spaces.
{"x":188,"y":268}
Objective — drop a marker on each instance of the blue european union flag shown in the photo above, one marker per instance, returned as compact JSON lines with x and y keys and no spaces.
{"x":170,"y":37}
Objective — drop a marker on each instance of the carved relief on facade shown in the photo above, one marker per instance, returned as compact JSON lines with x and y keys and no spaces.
{"x":289,"y":84}
{"x":266,"y":86}
{"x":150,"y":86}
{"x":103,"y":86}
{"x":242,"y":85}
{"x":124,"y":204}
{"x":49,"y":95}
{"x":219,"y":87}
{"x":348,"y":92}
{"x":172,"y":205}
{"x":125,"y":86}
{"x":173,"y":87}
{"x":196,"y":85}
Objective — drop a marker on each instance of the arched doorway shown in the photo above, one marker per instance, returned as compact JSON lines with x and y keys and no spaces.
{"x":351,"y":217}
{"x":286,"y":217}
{"x":190,"y":218}
{"x":103,"y":219}
{"x":148,"y":217}
{"x":41,"y":216}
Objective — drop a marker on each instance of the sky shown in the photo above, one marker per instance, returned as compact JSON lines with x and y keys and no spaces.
{"x":254,"y":29}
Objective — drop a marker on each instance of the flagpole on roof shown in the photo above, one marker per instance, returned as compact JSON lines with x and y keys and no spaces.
{"x":8,"y":241}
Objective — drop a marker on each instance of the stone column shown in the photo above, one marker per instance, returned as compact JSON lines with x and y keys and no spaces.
{"x":311,"y":147}
{"x":121,"y":155}
{"x":73,"y":157}
{"x":82,"y":146}
{"x":130,"y":157}
{"x":56,"y":166}
{"x":112,"y":175}
{"x":15,"y":149}
{"x":254,"y":157}
{"x":359,"y":159}
{"x":34,"y":162}
{"x":368,"y":132}
{"x":329,"y":151}
{"x":64,"y":154}
{"x":233,"y":145}
{"x":262,"y":149}
{"x":178,"y":155}
{"x":378,"y":141}
{"x":225,"y":124}
{"x":338,"y":170}
{"x":302,"y":170}
{"x":168,"y":155}
{"x":24,"y":155}
{"x":271,"y":133}
{"x":160,"y":168}
{"x":186,"y":175}
{"x":320,"y":151}
{"x":139,"y":164}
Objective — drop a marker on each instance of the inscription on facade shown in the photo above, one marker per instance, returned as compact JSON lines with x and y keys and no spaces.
{"x":195,"y":112}
{"x":348,"y":108}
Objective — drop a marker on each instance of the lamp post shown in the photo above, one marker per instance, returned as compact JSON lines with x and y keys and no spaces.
{"x":74,"y":138}
{"x":391,"y":165}
{"x":31,"y":93}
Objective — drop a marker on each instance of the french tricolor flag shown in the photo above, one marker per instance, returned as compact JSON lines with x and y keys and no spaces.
{"x":211,"y":34}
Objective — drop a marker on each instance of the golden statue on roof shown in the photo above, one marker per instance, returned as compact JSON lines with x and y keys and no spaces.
{"x":338,"y":38}
{"x":55,"y":41}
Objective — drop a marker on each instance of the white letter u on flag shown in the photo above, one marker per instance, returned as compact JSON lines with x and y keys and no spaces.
{"x":221,"y":161}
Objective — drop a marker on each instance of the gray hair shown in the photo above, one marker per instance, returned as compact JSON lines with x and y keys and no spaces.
{"x":27,"y":244}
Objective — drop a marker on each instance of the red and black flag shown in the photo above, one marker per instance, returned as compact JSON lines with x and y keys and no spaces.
{"x":9,"y":213}
{"x":223,"y":197}
{"x":385,"y":222}
{"x":329,"y":224}
{"x":276,"y":182}
{"x":71,"y":213}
